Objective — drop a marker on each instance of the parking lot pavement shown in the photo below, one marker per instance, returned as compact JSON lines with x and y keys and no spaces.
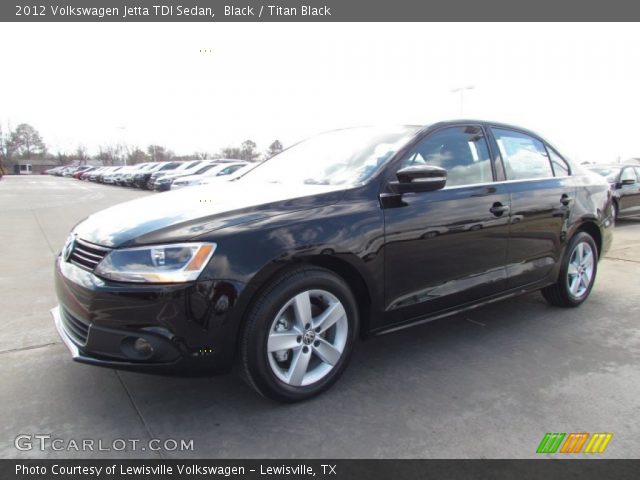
{"x":488,"y":383}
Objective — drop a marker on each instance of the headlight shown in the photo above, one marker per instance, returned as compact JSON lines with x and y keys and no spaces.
{"x":173,"y":263}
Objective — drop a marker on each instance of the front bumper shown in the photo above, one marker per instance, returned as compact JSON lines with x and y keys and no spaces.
{"x":162,"y":187}
{"x":113,"y":342}
{"x":140,"y":181}
{"x":191,"y":327}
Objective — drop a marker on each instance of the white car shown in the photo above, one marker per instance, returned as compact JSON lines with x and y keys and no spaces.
{"x":218,"y":171}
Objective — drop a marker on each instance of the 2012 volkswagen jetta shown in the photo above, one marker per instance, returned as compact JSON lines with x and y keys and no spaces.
{"x":351,"y":233}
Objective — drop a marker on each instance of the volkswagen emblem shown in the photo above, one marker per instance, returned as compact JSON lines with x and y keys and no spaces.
{"x":68,"y":248}
{"x":308,"y":337}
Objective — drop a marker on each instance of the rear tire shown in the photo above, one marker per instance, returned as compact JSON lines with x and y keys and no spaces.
{"x":577,"y":273}
{"x":299,"y":335}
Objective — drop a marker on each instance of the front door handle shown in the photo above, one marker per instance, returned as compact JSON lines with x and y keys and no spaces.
{"x":565,"y":200}
{"x":498,"y":209}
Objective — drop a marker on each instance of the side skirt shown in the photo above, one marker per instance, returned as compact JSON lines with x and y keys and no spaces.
{"x":464,"y":308}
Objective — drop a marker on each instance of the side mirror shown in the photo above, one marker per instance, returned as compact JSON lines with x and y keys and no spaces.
{"x":627,"y":181}
{"x":419,"y":178}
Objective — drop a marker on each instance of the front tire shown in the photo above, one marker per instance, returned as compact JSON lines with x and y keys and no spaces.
{"x":299,"y":334}
{"x":577,"y":273}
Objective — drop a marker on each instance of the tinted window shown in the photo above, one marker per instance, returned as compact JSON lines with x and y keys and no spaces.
{"x":560,"y":167}
{"x":169,"y":166}
{"x":230,"y":170}
{"x":462,"y":151}
{"x":628,"y":174}
{"x":524,"y":157}
{"x":205,"y":168}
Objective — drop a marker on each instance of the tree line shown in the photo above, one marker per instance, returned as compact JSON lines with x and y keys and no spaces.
{"x":25,"y":143}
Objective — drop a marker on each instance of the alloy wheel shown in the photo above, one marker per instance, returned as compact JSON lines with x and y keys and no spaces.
{"x":580,"y":270}
{"x":307,"y":337}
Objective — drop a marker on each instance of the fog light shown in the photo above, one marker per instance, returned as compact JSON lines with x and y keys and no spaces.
{"x":143,"y":347}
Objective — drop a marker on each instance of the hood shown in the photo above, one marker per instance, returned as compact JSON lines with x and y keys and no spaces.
{"x":184,"y":214}
{"x":200,"y":177}
{"x":173,"y":175}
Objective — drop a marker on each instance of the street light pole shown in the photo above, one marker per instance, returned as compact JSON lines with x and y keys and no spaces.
{"x":461,"y":91}
{"x":122,"y":135}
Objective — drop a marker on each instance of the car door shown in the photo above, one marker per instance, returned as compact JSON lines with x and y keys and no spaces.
{"x":541,"y":202}
{"x":628,"y":190}
{"x":446,"y":247}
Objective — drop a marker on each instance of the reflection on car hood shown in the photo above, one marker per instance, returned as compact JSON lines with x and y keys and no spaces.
{"x":187,"y":213}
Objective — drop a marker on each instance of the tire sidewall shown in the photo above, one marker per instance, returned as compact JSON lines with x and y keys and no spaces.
{"x":259,"y":326}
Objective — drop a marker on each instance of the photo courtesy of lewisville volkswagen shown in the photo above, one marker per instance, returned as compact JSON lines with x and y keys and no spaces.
{"x":350,"y":233}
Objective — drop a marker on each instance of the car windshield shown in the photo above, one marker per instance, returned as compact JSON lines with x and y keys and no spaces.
{"x":610,"y":173}
{"x":341,"y":157}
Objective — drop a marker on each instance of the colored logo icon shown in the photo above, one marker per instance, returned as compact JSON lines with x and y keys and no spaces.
{"x":574,"y":442}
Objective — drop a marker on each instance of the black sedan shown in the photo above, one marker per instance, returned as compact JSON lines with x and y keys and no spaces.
{"x":625,"y":183}
{"x":349,"y":234}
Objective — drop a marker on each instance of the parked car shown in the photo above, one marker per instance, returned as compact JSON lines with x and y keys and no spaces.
{"x":281,"y":270}
{"x":163,"y":182}
{"x":142,"y":179}
{"x":69,"y":171}
{"x":84,"y":169}
{"x":625,"y":184}
{"x":92,"y":174}
{"x":99,"y":176}
{"x":212,"y":170}
{"x":106,"y":176}
{"x":127,"y":178}
{"x":117,"y":178}
{"x":182,"y":167}
{"x":54,"y":171}
{"x":226,"y":175}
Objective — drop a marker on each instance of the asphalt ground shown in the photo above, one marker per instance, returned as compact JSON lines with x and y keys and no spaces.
{"x":486,"y":384}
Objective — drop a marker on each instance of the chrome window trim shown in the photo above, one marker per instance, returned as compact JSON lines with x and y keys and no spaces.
{"x":505,"y":181}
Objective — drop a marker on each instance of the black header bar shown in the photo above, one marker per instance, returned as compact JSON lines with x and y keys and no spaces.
{"x":316,"y":10}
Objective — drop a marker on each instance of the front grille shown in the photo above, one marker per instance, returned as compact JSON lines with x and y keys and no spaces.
{"x":87,"y":255}
{"x":77,"y":329}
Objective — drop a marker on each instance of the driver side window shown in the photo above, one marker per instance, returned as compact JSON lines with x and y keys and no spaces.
{"x":462,"y":151}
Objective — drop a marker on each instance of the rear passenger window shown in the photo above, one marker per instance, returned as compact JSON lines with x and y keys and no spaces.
{"x":524,"y":157}
{"x":462,"y":151}
{"x":560,"y":167}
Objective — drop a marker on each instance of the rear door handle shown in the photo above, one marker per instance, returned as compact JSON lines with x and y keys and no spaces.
{"x":498,"y":209}
{"x":565,"y":200}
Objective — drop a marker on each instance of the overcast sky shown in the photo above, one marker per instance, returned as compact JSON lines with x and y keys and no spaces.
{"x":578,"y":85}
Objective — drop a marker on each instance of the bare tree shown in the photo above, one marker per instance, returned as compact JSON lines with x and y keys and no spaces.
{"x":231,"y":152}
{"x":26,"y":142}
{"x":108,"y":155}
{"x":248,"y":151}
{"x":159,"y":153}
{"x":82,"y":155}
{"x":4,"y":152}
{"x":63,"y":158}
{"x":136,"y":155}
{"x":275,"y":148}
